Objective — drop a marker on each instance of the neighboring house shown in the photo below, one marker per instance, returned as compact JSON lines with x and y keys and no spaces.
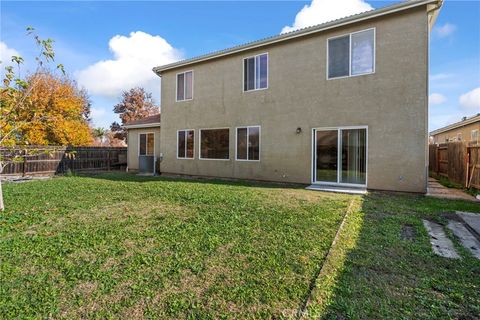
{"x":343,"y":103}
{"x":143,"y":139}
{"x":466,"y":130}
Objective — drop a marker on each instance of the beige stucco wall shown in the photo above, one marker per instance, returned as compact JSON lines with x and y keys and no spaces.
{"x":133,"y":140}
{"x":392,"y":103}
{"x":465,"y":131}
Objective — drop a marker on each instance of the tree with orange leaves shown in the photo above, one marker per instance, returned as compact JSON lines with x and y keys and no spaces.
{"x":41,"y":109}
{"x":61,"y":112}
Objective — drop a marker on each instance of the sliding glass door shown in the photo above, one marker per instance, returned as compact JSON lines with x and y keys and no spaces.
{"x":327,"y":155}
{"x":340,"y":156}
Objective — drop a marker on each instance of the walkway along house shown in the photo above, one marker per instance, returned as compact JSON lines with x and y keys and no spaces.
{"x":342,"y":103}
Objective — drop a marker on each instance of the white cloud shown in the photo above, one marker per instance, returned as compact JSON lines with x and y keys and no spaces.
{"x":445,"y":30}
{"x":320,"y":11}
{"x":436,"y":98}
{"x":97,"y":115}
{"x":133,"y":59}
{"x":6,"y":53}
{"x":440,"y":76}
{"x":471,"y":100}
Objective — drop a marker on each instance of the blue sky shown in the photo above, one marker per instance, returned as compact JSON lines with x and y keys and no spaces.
{"x":110,"y":46}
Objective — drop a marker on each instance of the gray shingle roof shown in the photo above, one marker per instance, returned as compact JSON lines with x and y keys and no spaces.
{"x":154,"y":120}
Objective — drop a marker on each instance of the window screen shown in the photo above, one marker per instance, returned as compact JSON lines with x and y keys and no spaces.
{"x":185,"y":144}
{"x":351,"y":55}
{"x":185,"y":86}
{"x":338,"y":57}
{"x":255,"y":72}
{"x":248,"y":143}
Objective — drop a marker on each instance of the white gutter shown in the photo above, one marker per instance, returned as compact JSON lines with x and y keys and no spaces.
{"x":145,"y":125}
{"x":300,"y":33}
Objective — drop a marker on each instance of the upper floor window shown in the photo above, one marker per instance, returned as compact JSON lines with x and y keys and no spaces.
{"x":474,"y":135}
{"x":255,"y":72}
{"x":185,"y":86}
{"x":352,"y":54}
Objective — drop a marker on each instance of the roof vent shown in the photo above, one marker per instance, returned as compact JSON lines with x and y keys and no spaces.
{"x":464,"y":118}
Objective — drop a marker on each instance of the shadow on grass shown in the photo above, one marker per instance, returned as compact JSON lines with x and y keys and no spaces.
{"x":133,"y":177}
{"x":375,"y":273}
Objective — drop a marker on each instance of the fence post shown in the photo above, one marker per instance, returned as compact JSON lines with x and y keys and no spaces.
{"x":108,"y":159}
{"x":467,"y":168}
{"x":24,"y":162}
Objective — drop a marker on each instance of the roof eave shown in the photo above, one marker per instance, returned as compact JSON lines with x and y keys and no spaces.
{"x":140,"y":126}
{"x":306,"y":31}
{"x":456,"y":125}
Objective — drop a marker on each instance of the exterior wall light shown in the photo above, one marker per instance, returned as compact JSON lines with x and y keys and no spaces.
{"x":299,"y":130}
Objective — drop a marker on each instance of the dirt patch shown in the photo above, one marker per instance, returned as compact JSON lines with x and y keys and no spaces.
{"x":85,"y":288}
{"x":408,"y":232}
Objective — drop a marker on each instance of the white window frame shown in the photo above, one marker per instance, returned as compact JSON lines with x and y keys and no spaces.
{"x":259,"y":142}
{"x":200,"y":143}
{"x":255,"y":78}
{"x":350,"y":54}
{"x":146,"y":133}
{"x":184,"y":85}
{"x":475,"y":131}
{"x":186,"y":158}
{"x":339,"y":156}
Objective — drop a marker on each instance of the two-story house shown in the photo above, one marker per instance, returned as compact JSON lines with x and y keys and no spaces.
{"x":343,"y":103}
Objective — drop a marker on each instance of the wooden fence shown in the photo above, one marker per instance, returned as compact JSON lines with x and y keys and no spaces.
{"x":458,"y":161}
{"x":46,"y":160}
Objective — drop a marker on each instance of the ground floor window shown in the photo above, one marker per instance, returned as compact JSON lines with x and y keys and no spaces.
{"x":146,"y":145}
{"x":215,"y":144}
{"x":185,"y":144}
{"x":248,"y":143}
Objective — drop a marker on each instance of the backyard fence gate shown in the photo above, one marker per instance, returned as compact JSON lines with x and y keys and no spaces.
{"x":458,"y":161}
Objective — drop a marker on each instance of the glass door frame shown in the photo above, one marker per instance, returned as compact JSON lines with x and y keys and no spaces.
{"x":339,"y":156}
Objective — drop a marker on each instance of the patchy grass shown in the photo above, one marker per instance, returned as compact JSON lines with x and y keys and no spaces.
{"x":122,"y":246}
{"x":372,"y":273}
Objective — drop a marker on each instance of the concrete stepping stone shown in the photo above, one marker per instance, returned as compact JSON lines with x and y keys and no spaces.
{"x":441,"y":244}
{"x":472,"y":219}
{"x":467,"y":239}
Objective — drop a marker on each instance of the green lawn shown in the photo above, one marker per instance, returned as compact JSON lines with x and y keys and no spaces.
{"x":122,"y":246}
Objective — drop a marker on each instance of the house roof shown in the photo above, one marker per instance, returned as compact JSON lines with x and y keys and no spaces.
{"x":147,"y":122}
{"x":465,"y":121}
{"x":434,"y":6}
